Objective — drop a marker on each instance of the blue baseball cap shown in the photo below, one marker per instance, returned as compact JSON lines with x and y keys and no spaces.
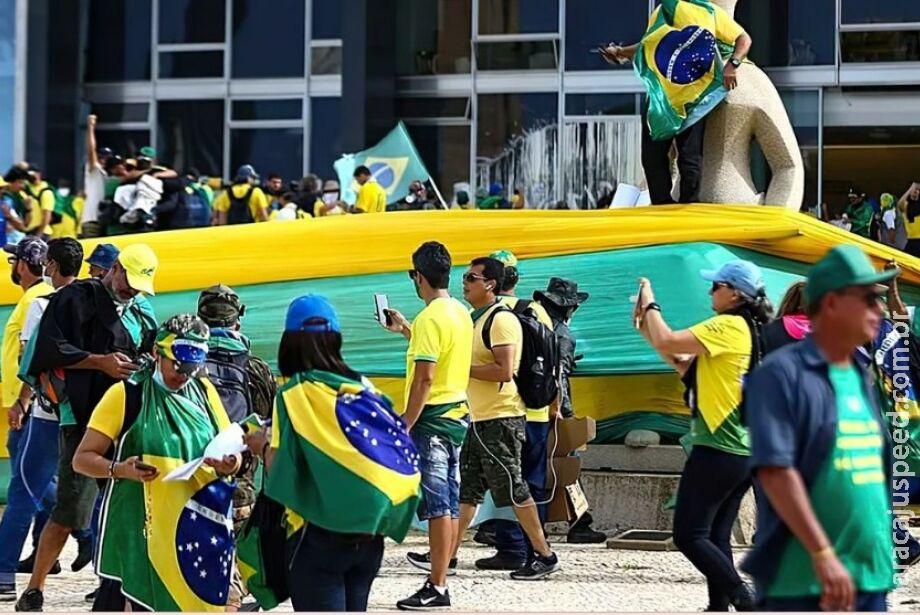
{"x":311,"y":308}
{"x":246,"y":172}
{"x":103,"y":256}
{"x":742,"y":275}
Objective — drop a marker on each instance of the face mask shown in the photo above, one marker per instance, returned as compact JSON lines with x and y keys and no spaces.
{"x":64,"y":192}
{"x":330,"y":197}
{"x":158,"y":378}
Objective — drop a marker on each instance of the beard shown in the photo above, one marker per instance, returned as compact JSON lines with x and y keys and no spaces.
{"x":16,"y":278}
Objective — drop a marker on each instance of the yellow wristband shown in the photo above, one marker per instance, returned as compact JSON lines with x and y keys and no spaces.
{"x":827,"y":551}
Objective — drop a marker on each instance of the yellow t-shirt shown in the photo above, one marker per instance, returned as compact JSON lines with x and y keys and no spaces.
{"x":912,"y":228}
{"x":40,"y":203}
{"x":257,"y":201}
{"x":372,"y":198}
{"x":534,"y":415}
{"x":318,"y":209}
{"x":720,"y":376}
{"x":108,"y":417}
{"x":442,"y":334}
{"x":10,"y":359}
{"x":496,"y":400}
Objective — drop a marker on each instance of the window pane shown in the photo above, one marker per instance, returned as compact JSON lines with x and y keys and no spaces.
{"x":432,"y":107}
{"x":525,"y":55}
{"x":190,"y":133}
{"x":290,"y":109}
{"x":269,"y":150}
{"x":7,"y":80}
{"x":875,"y":11}
{"x":125,"y":143}
{"x":601,"y":104}
{"x":191,"y":21}
{"x":790,"y":32}
{"x":446,"y":152}
{"x":121,"y":112}
{"x":326,"y":61}
{"x":325,"y":135}
{"x":590,"y":24}
{"x":119,"y":40}
{"x":268,"y":43}
{"x":327,"y":18}
{"x":518,"y":16}
{"x":516,"y":144}
{"x":600,"y":154}
{"x":433,"y":42}
{"x":186,"y":64}
{"x":880,"y":46}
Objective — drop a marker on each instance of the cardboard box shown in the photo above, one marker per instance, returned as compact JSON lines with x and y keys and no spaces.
{"x":573,"y":434}
{"x":565,"y":470}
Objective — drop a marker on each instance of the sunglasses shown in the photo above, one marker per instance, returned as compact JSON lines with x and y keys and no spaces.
{"x":411,"y":273}
{"x":717,"y":285}
{"x":872,"y":298}
{"x":472,"y":277}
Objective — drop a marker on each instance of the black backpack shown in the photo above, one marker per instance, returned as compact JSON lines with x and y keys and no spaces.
{"x":538,"y":375}
{"x":239,"y":207}
{"x":229,"y":373}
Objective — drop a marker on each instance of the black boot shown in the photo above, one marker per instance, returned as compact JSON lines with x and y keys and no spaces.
{"x":743,"y":598}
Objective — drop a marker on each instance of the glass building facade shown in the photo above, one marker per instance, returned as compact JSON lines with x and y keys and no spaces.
{"x":503,"y":92}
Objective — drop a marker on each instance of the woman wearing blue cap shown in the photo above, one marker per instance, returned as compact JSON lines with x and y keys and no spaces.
{"x":341,"y":462}
{"x":713,"y":358}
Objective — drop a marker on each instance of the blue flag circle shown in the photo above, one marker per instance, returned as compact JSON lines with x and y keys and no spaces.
{"x":685,"y":56}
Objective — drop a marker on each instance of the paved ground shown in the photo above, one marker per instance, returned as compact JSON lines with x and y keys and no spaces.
{"x":593,"y":579}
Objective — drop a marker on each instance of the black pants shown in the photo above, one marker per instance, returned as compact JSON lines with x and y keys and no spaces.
{"x":913,"y":247}
{"x":657,"y":164}
{"x":329,"y":571}
{"x":708,"y":499}
{"x":109,"y":599}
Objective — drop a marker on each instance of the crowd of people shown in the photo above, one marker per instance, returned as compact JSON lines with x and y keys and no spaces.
{"x":889,"y":220}
{"x":110,"y":401}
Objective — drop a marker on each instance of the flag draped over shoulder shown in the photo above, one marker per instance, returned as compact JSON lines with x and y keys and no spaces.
{"x":344,"y":460}
{"x":679,"y":61}
{"x":394,"y":163}
{"x":170,"y":544}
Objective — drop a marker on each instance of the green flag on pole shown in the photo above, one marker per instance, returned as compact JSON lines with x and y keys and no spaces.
{"x":394,"y":164}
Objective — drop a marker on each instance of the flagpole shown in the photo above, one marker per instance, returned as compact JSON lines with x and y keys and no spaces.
{"x":438,"y":192}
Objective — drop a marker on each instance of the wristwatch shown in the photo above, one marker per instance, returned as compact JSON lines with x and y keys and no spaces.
{"x":735,"y":62}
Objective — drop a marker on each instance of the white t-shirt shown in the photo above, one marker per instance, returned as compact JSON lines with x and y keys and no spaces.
{"x":33,"y":317}
{"x":890,"y":218}
{"x":286,"y":213}
{"x":94,"y":186}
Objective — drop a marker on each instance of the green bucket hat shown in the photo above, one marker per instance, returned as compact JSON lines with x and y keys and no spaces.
{"x":507,"y":258}
{"x":220,"y":306}
{"x":843,"y":267}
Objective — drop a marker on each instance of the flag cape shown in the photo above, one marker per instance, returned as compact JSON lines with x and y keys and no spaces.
{"x":394,"y":163}
{"x":170,"y":544}
{"x":679,"y":61}
{"x":345,"y":460}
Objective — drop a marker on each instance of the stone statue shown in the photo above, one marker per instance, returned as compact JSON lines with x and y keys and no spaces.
{"x":753,"y":110}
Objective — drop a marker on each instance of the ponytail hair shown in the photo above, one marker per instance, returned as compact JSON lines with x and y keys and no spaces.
{"x":756,"y":311}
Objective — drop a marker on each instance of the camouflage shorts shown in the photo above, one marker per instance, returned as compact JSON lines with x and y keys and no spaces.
{"x":491,"y":459}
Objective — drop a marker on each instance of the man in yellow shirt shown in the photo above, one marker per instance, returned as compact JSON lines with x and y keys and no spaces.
{"x":437,"y":413}
{"x":243,"y":201}
{"x":909,"y":204}
{"x":372,"y":198}
{"x":491,"y":455}
{"x":43,"y":200}
{"x":509,"y":540}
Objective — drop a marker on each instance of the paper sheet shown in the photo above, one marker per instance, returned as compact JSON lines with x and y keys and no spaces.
{"x":227,"y":442}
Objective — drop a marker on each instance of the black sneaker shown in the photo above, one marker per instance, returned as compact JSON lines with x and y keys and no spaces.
{"x":423,"y":561}
{"x":501,"y":561}
{"x":91,"y":597}
{"x":30,"y":600}
{"x":537,"y":568}
{"x":7,"y":592}
{"x":425,"y":599}
{"x":25,"y":566}
{"x":84,"y":555}
{"x":585,"y":536}
{"x":743,"y":598}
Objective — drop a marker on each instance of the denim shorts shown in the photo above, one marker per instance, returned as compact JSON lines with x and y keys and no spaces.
{"x":439,"y":463}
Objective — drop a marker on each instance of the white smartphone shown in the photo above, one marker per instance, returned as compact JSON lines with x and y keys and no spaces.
{"x":381,"y":305}
{"x":637,"y":306}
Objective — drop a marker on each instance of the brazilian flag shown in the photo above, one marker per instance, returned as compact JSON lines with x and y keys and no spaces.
{"x":680,"y":62}
{"x":344,"y":459}
{"x":170,"y":544}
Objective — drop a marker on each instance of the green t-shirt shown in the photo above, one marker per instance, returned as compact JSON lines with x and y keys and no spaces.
{"x":850,"y":499}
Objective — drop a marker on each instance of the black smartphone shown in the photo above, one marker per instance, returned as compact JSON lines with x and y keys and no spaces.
{"x":144,"y":467}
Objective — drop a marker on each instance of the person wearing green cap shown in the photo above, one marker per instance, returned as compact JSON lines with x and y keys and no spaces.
{"x":822,"y":453}
{"x":893,"y":230}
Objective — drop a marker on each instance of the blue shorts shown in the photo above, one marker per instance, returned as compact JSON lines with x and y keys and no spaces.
{"x":439,"y":463}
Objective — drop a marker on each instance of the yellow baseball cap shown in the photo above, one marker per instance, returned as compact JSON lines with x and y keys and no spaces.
{"x":140,"y":263}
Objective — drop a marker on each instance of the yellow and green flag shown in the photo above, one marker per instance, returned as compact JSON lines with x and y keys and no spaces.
{"x":170,"y":544}
{"x":680,"y":62}
{"x":345,"y":460}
